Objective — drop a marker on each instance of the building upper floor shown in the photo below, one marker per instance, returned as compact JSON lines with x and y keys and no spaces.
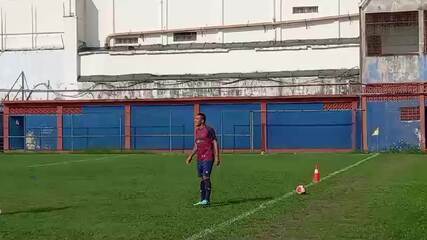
{"x":36,"y":24}
{"x":394,"y":41}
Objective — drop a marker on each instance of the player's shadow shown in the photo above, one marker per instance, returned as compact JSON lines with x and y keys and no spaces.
{"x":240,"y":201}
{"x":38,"y":210}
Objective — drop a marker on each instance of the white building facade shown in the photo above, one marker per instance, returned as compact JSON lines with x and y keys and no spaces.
{"x":179,"y":48}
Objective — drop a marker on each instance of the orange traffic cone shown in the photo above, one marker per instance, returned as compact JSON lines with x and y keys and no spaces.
{"x":316,"y":175}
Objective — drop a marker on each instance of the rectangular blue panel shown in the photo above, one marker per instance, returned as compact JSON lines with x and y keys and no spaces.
{"x":163,"y":127}
{"x":96,"y":128}
{"x":299,"y":126}
{"x":232,"y":123}
{"x":16,"y":133}
{"x":394,"y":134}
{"x":359,"y":130}
{"x":44,"y":130}
{"x":33,"y":132}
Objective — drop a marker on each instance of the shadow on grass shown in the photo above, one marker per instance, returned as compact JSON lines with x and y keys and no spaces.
{"x":239,"y":201}
{"x":37,"y":210}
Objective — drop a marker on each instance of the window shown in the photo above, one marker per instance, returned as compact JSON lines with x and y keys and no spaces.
{"x":184,"y":36}
{"x":126,"y":41}
{"x":392,"y":33}
{"x":409,"y":113}
{"x":308,"y":9}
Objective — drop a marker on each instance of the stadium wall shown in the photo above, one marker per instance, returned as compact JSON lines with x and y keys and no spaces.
{"x":242,"y":124}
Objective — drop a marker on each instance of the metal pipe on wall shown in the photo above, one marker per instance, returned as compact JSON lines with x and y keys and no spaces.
{"x":222,"y":20}
{"x":35,"y":27}
{"x":161,"y":21}
{"x":338,"y":20}
{"x":5,"y":31}
{"x":1,"y":29}
{"x":114,"y":16}
{"x":281,"y":19}
{"x":167,"y":20}
{"x":32,"y":26}
{"x":274,"y":20}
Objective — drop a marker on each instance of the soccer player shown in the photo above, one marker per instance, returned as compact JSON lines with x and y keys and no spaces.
{"x":206,"y":148}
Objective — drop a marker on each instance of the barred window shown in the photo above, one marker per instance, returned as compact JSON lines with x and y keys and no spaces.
{"x":184,"y":36}
{"x":126,"y":41}
{"x":409,"y":113}
{"x":307,"y":9}
{"x":392,"y":33}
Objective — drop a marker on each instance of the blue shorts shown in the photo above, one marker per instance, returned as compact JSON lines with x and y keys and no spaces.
{"x":204,"y":168}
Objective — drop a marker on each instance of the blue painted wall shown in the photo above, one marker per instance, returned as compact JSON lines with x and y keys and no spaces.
{"x":312,"y":129}
{"x":394,"y":134}
{"x":96,"y":128}
{"x":152,"y":125}
{"x":359,"y":130}
{"x":42,"y":127}
{"x":233,"y":122}
{"x":16,"y":133}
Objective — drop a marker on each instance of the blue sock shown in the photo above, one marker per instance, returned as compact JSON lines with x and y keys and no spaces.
{"x":208,"y":187}
{"x":202,"y":190}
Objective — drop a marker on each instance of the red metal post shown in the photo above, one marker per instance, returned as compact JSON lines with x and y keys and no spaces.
{"x":264,"y":145}
{"x":59,"y":126}
{"x":6,"y":128}
{"x":354,"y":126}
{"x":128,"y":125}
{"x":423,"y":122}
{"x":365,"y":124}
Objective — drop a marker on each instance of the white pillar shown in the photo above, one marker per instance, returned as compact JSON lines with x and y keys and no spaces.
{"x":71,"y":61}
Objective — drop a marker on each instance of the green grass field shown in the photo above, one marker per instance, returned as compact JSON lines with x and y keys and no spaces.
{"x":148,"y":196}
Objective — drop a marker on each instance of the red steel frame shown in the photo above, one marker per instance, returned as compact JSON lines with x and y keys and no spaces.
{"x":423,"y":122}
{"x":354,"y":126}
{"x":59,"y":120}
{"x":128,"y":125}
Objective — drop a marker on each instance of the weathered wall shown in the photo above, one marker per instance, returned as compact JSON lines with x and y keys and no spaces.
{"x":395,"y":69}
{"x":400,"y":67}
{"x":393,"y":6}
{"x":222,"y":61}
{"x":395,"y":135}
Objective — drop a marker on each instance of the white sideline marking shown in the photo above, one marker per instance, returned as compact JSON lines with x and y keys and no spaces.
{"x":76,"y":161}
{"x":264,"y":205}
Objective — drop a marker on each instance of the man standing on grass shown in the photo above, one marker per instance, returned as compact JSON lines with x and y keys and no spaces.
{"x":206,"y":148}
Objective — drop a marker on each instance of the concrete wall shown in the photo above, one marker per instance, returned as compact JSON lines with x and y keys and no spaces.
{"x":30,"y":24}
{"x":222,"y":61}
{"x":40,"y":39}
{"x":135,"y":16}
{"x":395,"y":69}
